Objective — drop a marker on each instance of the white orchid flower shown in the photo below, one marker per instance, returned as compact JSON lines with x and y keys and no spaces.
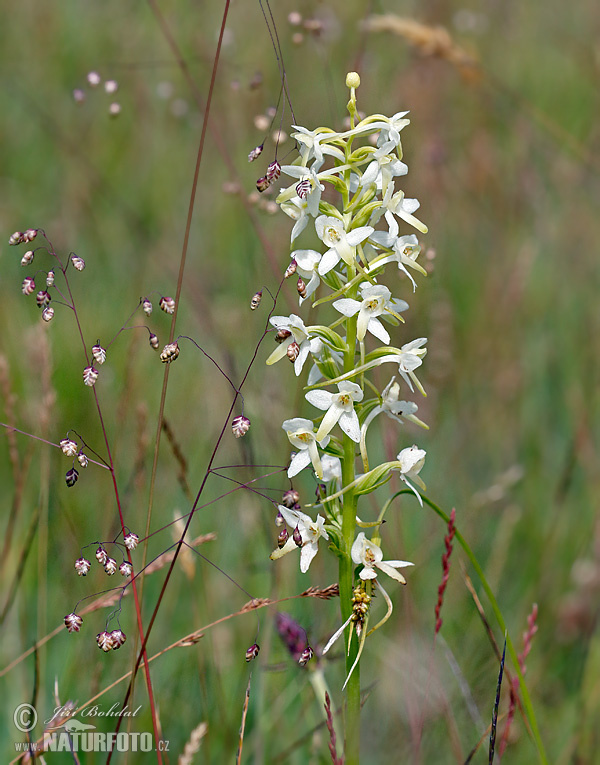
{"x":310,"y":532}
{"x":389,"y":136}
{"x":301,"y":435}
{"x":370,"y":556}
{"x":409,"y":359}
{"x":406,"y":251}
{"x":393,"y":408}
{"x":411,"y":460}
{"x":313,"y":144}
{"x":340,"y":409}
{"x":307,"y":262}
{"x":332,"y":469}
{"x":342,"y":244}
{"x":382,"y":169}
{"x":376,"y":301}
{"x":395,"y":204}
{"x":297,"y":210}
{"x":300,"y":333}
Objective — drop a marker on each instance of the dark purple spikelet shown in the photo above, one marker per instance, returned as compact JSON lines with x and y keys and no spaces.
{"x":71,"y":477}
{"x":303,"y":188}
{"x":306,"y":656}
{"x":273,"y":171}
{"x":255,"y":153}
{"x":445,"y":570}
{"x":252,"y":652}
{"x":290,"y":498}
{"x":297,"y":536}
{"x":262,"y":184}
{"x":292,"y":634}
{"x":291,"y":269}
{"x":282,"y":538}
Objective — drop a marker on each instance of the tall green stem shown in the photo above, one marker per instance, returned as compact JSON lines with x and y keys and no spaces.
{"x":352,"y":716}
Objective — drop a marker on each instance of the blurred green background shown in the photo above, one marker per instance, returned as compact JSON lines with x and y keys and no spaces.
{"x":503,"y":156}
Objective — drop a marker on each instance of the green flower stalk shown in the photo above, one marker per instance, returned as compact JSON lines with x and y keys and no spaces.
{"x":360,"y":241}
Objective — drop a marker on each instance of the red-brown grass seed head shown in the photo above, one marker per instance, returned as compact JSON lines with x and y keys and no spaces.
{"x":167,"y":304}
{"x":90,"y":376}
{"x":240,"y":426}
{"x":82,"y":566}
{"x":105,"y":641}
{"x":131,"y":540}
{"x":252,"y":652}
{"x":73,"y":622}
{"x":71,"y":477}
{"x":169,"y":353}
{"x":117,"y":637}
{"x":28,"y":286}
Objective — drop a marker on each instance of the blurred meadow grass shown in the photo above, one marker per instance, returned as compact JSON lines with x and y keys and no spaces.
{"x":504,"y":159}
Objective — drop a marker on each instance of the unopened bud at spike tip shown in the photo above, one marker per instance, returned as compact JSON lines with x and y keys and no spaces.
{"x":352,"y":80}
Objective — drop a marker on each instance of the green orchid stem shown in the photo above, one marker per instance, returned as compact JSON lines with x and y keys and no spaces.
{"x":525,"y":697}
{"x":352,"y":709}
